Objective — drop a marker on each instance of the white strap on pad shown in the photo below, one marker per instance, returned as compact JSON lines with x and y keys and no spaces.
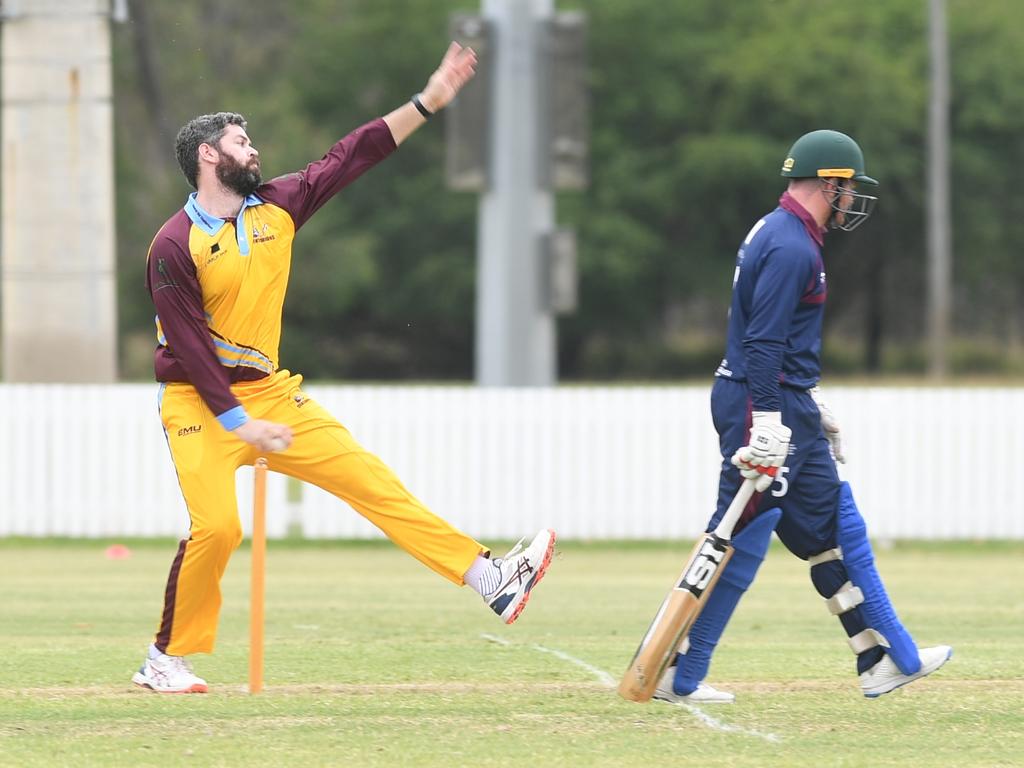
{"x":866,"y":640}
{"x":846,"y":598}
{"x":836,"y":553}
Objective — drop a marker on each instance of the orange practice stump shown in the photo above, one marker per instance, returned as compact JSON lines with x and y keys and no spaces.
{"x":256,"y":592}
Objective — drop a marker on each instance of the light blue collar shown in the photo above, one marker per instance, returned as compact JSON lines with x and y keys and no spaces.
{"x":211,"y":225}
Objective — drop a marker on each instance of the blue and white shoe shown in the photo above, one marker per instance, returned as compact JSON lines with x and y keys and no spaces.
{"x":885,"y":676}
{"x":521,"y":570}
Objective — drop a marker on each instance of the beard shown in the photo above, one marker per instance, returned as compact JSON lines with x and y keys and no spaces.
{"x":243,"y":179}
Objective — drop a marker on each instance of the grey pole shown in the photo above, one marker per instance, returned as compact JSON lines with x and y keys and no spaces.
{"x":57,"y":276}
{"x":515,"y":330}
{"x":940,"y":228}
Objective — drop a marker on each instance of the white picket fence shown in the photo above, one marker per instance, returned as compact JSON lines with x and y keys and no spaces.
{"x":592,"y":462}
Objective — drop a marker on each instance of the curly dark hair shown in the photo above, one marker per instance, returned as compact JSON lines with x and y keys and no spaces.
{"x":204,"y":129}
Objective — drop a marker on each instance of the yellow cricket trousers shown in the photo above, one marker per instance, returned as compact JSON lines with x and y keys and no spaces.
{"x":323,"y":453}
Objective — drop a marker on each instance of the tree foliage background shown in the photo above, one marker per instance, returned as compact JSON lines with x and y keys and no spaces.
{"x":693,"y":106}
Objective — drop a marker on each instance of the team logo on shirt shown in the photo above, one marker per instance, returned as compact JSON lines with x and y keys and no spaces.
{"x":190,"y":430}
{"x":164,"y":280}
{"x":262,"y":235}
{"x":215,"y":253}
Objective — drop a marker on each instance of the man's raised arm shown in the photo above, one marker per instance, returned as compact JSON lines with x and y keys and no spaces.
{"x":457,"y":68}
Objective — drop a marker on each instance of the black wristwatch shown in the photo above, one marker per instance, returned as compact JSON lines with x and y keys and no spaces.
{"x":420,"y":108}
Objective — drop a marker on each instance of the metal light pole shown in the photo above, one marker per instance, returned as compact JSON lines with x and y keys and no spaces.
{"x":515,"y":339}
{"x":939,"y":216}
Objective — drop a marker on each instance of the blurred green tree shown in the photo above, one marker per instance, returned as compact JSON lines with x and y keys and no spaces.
{"x":693,"y":107}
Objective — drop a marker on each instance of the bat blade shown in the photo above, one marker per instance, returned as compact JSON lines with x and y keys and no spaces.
{"x":678,"y":611}
{"x":684,"y":603}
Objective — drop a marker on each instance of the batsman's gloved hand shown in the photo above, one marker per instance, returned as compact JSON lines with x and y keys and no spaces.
{"x":767,"y":449}
{"x":764,"y":477}
{"x":829,"y":426}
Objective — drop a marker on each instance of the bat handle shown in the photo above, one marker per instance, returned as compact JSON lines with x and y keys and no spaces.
{"x":732,"y":514}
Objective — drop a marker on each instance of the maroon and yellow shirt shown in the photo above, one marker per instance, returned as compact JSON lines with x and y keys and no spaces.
{"x":219,"y":284}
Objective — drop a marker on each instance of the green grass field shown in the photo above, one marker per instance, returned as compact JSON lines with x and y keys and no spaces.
{"x":374,"y":661}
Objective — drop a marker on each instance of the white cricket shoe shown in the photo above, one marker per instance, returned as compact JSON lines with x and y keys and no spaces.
{"x":168,"y":674}
{"x":885,"y":676}
{"x":705,"y":694}
{"x":521,"y":570}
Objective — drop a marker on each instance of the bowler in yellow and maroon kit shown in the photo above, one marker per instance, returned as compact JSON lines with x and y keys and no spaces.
{"x":217,"y":272}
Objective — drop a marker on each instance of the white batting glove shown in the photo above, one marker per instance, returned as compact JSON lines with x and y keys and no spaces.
{"x":767,"y":449}
{"x":829,"y":426}
{"x":764,"y":476}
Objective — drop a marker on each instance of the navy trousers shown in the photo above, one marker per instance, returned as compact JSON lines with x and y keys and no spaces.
{"x":806,"y":489}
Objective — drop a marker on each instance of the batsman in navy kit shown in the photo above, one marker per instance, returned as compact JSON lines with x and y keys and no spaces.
{"x":769,"y":413}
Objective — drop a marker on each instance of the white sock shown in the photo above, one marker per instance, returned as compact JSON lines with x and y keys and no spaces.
{"x":154,"y":653}
{"x":483,"y":575}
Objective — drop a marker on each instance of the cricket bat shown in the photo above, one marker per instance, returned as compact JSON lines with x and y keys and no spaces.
{"x":683,"y":604}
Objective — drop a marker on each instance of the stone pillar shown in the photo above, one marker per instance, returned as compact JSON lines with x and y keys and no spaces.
{"x":58,"y":318}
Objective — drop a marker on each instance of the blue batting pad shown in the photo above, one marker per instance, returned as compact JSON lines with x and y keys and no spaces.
{"x":750,"y":545}
{"x":860,"y":566}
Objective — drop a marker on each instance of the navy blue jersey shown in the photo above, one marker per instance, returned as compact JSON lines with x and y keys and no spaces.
{"x":778,"y":300}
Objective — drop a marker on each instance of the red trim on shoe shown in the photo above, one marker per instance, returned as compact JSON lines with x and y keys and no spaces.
{"x":194,"y":688}
{"x":541,"y":570}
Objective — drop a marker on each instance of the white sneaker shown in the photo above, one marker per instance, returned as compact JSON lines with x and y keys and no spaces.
{"x":705,"y":694}
{"x":168,"y":674}
{"x":885,"y":676}
{"x":521,"y":571}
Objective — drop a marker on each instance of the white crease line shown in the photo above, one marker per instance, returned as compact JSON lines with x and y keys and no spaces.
{"x":600,"y":674}
{"x":494,"y":639}
{"x":717,"y":725}
{"x":610,"y":682}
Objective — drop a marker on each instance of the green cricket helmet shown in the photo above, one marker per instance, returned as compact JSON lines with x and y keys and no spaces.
{"x":832,"y":155}
{"x":826,"y":154}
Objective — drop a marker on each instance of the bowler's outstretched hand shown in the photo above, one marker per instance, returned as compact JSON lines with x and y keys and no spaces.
{"x":457,"y":68}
